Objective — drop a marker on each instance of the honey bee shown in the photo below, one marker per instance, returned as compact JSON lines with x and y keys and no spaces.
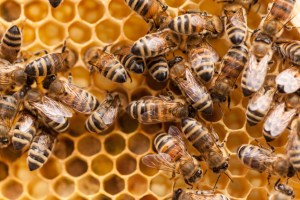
{"x":236,"y":23}
{"x":71,"y":95}
{"x":202,"y":59}
{"x":288,"y":81}
{"x":206,"y":143}
{"x":55,"y":3}
{"x":173,"y":156}
{"x":261,"y":44}
{"x":180,"y":194}
{"x":277,"y":120}
{"x":11,"y":44}
{"x":261,"y":160}
{"x":197,"y":23}
{"x":107,"y":64}
{"x":151,"y":10}
{"x":254,"y":74}
{"x":294,"y":144}
{"x":155,"y":44}
{"x":195,"y":93}
{"x":259,"y":105}
{"x":289,"y":50}
{"x":231,"y":66}
{"x":282,"y":192}
{"x":150,"y":110}
{"x":40,"y":149}
{"x":52,"y":113}
{"x":158,"y":68}
{"x":104,"y":116}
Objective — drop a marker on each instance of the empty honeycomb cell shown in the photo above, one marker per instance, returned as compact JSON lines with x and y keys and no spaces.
{"x":28,"y":34}
{"x":149,"y":197}
{"x":220,"y":130}
{"x":161,"y":185}
{"x":65,"y":12}
{"x":107,"y":31}
{"x":257,"y":193}
{"x":174,"y":3}
{"x":257,"y":179}
{"x":102,"y":165}
{"x":114,"y":144}
{"x":254,"y":131}
{"x":76,"y":167}
{"x":80,"y":75}
{"x":126,"y":164}
{"x":51,"y":169}
{"x":137,"y":185}
{"x":215,"y":116}
{"x":64,"y":187}
{"x":118,"y":9}
{"x":138,"y":144}
{"x":52,"y":33}
{"x":79,"y":32}
{"x":12,"y":189}
{"x":149,"y":171}
{"x":126,"y":123}
{"x":235,"y":166}
{"x":101,"y":197}
{"x":88,"y":185}
{"x":124,"y":197}
{"x":91,"y":10}
{"x":77,"y":125}
{"x":89,"y":145}
{"x":139,"y":93}
{"x":10,"y":10}
{"x":36,"y":10}
{"x":38,"y":188}
{"x":135,"y":27}
{"x":64,"y":147}
{"x":151,"y":128}
{"x":234,"y":118}
{"x":238,"y":188}
{"x":3,"y":171}
{"x":236,"y":139}
{"x":114,"y":184}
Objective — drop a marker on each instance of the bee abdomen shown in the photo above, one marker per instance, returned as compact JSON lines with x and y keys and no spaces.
{"x":158,"y":68}
{"x":203,"y":66}
{"x":236,"y":33}
{"x":21,"y":139}
{"x":294,"y":156}
{"x":182,"y":24}
{"x":94,"y":124}
{"x":11,"y":43}
{"x":115,"y":71}
{"x":59,"y":127}
{"x":166,"y":144}
{"x":254,"y":117}
{"x":133,"y":63}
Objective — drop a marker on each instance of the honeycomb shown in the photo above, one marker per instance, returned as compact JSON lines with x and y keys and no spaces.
{"x":108,"y":166}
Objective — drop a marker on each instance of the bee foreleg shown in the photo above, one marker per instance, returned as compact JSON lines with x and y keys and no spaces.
{"x":190,"y":185}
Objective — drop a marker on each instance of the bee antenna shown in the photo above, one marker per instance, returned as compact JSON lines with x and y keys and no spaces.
{"x":215,"y":186}
{"x":228,"y":177}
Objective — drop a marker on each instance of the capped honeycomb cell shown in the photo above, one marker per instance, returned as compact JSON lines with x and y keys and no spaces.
{"x":114,"y":184}
{"x":102,"y":165}
{"x":89,"y":145}
{"x":161,"y":185}
{"x":12,"y":189}
{"x":90,"y":10}
{"x":64,"y":187}
{"x":126,"y":164}
{"x":76,"y":167}
{"x":89,"y":185}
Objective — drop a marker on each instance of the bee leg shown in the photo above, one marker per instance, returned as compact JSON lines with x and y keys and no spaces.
{"x":163,"y":6}
{"x":228,"y":101}
{"x":268,"y":178}
{"x":37,"y":53}
{"x":190,"y":185}
{"x":271,"y":147}
{"x":215,"y":186}
{"x":199,"y":157}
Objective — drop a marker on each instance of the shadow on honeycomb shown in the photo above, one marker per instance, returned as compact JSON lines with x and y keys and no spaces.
{"x":108,"y":166}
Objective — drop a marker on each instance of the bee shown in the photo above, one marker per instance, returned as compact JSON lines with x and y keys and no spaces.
{"x":40,"y":149}
{"x":71,"y":95}
{"x":288,"y":81}
{"x":277,"y":120}
{"x":52,"y":113}
{"x":289,"y":50}
{"x":104,"y":116}
{"x":202,"y":59}
{"x":236,"y":23}
{"x":55,"y":3}
{"x":151,"y":10}
{"x":282,"y":192}
{"x":206,"y":143}
{"x":197,"y":23}
{"x":11,"y":44}
{"x":158,"y":68}
{"x":259,"y":105}
{"x":131,"y":62}
{"x":155,"y":44}
{"x":194,"y":92}
{"x":150,"y":110}
{"x":173,"y":156}
{"x":24,"y":131}
{"x":231,"y":66}
{"x":254,"y":74}
{"x":180,"y":194}
{"x":261,"y":160}
{"x":107,"y":64}
{"x":294,"y":144}
{"x":261,"y":44}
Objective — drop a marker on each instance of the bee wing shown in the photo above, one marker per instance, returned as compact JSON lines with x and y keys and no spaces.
{"x":160,"y":161}
{"x":150,"y":117}
{"x":53,"y":109}
{"x":176,"y":133}
{"x":238,"y":18}
{"x":111,"y":113}
{"x":26,"y":123}
{"x":289,"y":79}
{"x":262,"y":100}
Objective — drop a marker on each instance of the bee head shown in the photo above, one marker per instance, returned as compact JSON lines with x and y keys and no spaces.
{"x":285,"y":189}
{"x":223,"y":167}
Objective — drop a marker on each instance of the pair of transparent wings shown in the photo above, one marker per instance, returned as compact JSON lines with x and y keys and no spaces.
{"x":289,"y":79}
{"x":108,"y":110}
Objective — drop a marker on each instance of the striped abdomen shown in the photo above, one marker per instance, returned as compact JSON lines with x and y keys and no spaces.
{"x":133,"y":63}
{"x":58,"y":127}
{"x":95,"y":123}
{"x":188,"y":24}
{"x":158,"y":68}
{"x":11,"y":44}
{"x":46,"y":65}
{"x":293,"y":148}
{"x":291,"y":51}
{"x":146,"y":8}
{"x":23,"y":131}
{"x":8,"y":107}
{"x":165,"y":143}
{"x":40,"y":150}
{"x":282,"y":9}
